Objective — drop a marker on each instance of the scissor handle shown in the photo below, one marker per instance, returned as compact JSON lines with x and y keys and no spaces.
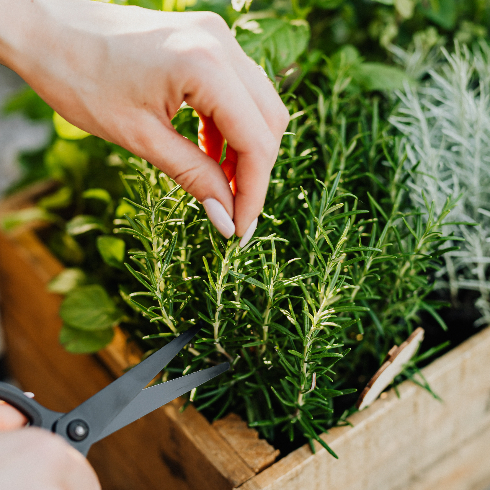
{"x":36,"y":414}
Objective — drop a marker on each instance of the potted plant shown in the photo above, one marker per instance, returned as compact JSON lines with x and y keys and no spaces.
{"x":347,"y":268}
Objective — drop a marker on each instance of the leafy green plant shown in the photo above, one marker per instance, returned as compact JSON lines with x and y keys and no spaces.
{"x":340,"y":267}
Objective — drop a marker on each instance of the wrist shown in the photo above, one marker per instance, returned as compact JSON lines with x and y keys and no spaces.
{"x":15,"y":26}
{"x":46,"y":43}
{"x":34,"y":32}
{"x":28,"y":33}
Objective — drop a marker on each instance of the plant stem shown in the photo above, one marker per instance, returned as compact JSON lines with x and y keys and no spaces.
{"x":220,"y":287}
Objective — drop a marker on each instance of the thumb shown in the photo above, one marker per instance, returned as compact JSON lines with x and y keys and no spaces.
{"x":196,"y":172}
{"x":10,"y":418}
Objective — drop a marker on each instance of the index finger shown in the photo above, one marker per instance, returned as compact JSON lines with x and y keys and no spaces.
{"x":222,"y":96}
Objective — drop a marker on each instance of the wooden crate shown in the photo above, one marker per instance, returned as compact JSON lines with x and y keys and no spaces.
{"x":411,"y":442}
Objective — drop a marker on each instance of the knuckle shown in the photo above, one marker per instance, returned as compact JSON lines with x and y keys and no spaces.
{"x":267,"y":147}
{"x":203,"y":54}
{"x":213,"y":22}
{"x":209,"y":53}
{"x":189,"y":179}
{"x":283,"y":118}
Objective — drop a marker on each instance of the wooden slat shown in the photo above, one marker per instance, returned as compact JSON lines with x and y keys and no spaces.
{"x":465,"y":468}
{"x":256,"y":452}
{"x":408,"y":443}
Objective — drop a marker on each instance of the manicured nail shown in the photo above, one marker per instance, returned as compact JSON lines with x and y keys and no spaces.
{"x":249,"y":233}
{"x":219,"y":217}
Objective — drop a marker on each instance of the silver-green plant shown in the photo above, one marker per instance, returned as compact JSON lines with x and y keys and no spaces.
{"x":446,"y":127}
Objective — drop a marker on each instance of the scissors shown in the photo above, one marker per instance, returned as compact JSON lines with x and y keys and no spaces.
{"x":118,"y":404}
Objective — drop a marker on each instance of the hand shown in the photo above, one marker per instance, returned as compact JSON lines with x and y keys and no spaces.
{"x":122,"y":73}
{"x":10,"y":418}
{"x":34,"y":459}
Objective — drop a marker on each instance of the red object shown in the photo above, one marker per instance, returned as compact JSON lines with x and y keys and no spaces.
{"x":211,"y":142}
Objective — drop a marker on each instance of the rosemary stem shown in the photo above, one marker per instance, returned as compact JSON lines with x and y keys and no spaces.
{"x":225,"y":266}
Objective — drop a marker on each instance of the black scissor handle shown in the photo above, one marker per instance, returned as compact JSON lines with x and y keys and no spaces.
{"x":36,"y":414}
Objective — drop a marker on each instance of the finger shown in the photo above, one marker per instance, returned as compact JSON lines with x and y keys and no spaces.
{"x":80,"y":474}
{"x":190,"y":167}
{"x":49,"y":460}
{"x":10,"y":418}
{"x":236,"y":115}
{"x":263,"y":93}
{"x":255,"y":80}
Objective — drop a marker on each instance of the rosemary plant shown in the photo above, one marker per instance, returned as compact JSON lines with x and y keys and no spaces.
{"x":341,"y":260}
{"x":246,"y":297}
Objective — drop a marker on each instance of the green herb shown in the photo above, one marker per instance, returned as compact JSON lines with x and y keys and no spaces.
{"x":344,"y":257}
{"x":340,"y":261}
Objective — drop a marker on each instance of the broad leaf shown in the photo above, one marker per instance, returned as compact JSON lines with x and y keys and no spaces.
{"x":59,"y":199}
{"x":378,"y":76}
{"x":65,"y":161}
{"x":67,"y":280}
{"x":23,"y":216}
{"x":330,"y":4}
{"x":28,"y":103}
{"x":277,"y":40}
{"x":82,"y":224}
{"x":66,"y":130}
{"x":442,"y":12}
{"x":84,"y":342}
{"x":96,"y":193}
{"x":112,"y":250}
{"x":89,"y":308}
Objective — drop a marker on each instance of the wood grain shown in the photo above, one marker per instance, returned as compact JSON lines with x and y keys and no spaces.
{"x":410,"y":443}
{"x":256,"y":452}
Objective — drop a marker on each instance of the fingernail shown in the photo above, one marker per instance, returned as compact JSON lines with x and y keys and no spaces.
{"x":219,"y":217}
{"x":249,"y":233}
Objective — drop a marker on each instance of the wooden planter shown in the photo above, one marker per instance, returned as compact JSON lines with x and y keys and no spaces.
{"x":411,"y":442}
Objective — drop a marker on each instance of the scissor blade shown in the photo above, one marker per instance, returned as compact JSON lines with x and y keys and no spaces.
{"x":156,"y":396}
{"x":100,"y":409}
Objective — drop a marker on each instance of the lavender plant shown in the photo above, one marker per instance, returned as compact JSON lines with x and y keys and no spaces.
{"x":446,"y":128}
